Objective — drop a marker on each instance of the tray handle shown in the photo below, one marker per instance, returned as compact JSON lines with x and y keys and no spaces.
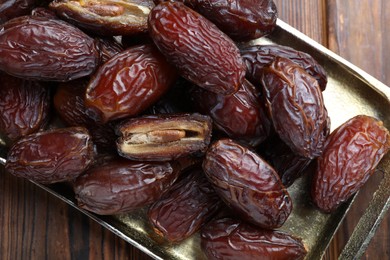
{"x":370,"y":220}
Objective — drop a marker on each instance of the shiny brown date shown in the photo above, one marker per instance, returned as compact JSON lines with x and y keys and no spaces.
{"x":24,"y":106}
{"x":231,"y":239}
{"x":247,"y":184}
{"x":128,"y":83}
{"x":241,"y":115}
{"x":199,"y":50}
{"x":106,"y":17}
{"x":163,"y":137}
{"x":33,"y":47}
{"x":51,"y":156}
{"x":351,"y":155}
{"x":70,"y":107}
{"x":242,"y":20}
{"x":296,"y":107}
{"x":185,"y":208}
{"x":121,"y":185}
{"x":259,"y":56}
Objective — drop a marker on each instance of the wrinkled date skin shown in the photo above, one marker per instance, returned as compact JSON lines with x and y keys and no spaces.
{"x":296,"y":107}
{"x":107,"y":17}
{"x":128,"y":84}
{"x":33,"y":48}
{"x":185,"y":208}
{"x":259,"y":56}
{"x":247,"y":184}
{"x":24,"y":106}
{"x":242,"y":20}
{"x":241,"y":116}
{"x":69,"y":105}
{"x":350,"y":157}
{"x":51,"y":156}
{"x":108,"y":48}
{"x":163,"y":137}
{"x":288,"y":165}
{"x":120,"y":185}
{"x":200,"y":51}
{"x":13,"y":8}
{"x":231,"y":239}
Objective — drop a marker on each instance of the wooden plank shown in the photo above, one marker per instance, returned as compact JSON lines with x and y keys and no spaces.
{"x":308,"y":17}
{"x":358,"y":32}
{"x":36,"y":225}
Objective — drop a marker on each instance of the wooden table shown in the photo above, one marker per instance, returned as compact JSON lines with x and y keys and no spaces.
{"x":35,"y":225}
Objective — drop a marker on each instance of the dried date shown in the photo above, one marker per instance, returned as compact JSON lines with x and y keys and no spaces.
{"x":231,"y":239}
{"x":185,"y":208}
{"x":107,"y":17}
{"x":351,"y":155}
{"x":24,"y":107}
{"x":41,"y":48}
{"x":259,"y":56}
{"x":247,"y":184}
{"x":51,"y":156}
{"x":163,"y":137}
{"x":108,"y":48}
{"x":242,"y":20}
{"x":241,"y":115}
{"x":69,"y":105}
{"x":120,"y":185}
{"x":296,"y":107}
{"x":200,"y":51}
{"x":128,"y":83}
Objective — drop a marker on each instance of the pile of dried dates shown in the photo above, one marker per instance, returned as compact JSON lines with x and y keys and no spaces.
{"x":156,"y":106}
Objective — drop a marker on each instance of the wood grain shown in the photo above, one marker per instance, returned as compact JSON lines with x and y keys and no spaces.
{"x":308,"y":17}
{"x":35,"y":225}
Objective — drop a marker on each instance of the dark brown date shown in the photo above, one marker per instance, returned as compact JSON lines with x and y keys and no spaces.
{"x":40,"y":48}
{"x":13,"y":8}
{"x":200,"y":51}
{"x":51,"y":156}
{"x":351,"y":155}
{"x":231,"y":239}
{"x":24,"y":106}
{"x":107,"y":17}
{"x":296,"y":107}
{"x":259,"y":56}
{"x":69,"y":105}
{"x":108,"y":48}
{"x":288,"y":165}
{"x":185,"y":208}
{"x":128,"y":84}
{"x":241,"y":115}
{"x":242,"y":20}
{"x":120,"y":185}
{"x":247,"y":184}
{"x":163,"y":137}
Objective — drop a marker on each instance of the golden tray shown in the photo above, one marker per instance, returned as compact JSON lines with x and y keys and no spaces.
{"x":350,"y":91}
